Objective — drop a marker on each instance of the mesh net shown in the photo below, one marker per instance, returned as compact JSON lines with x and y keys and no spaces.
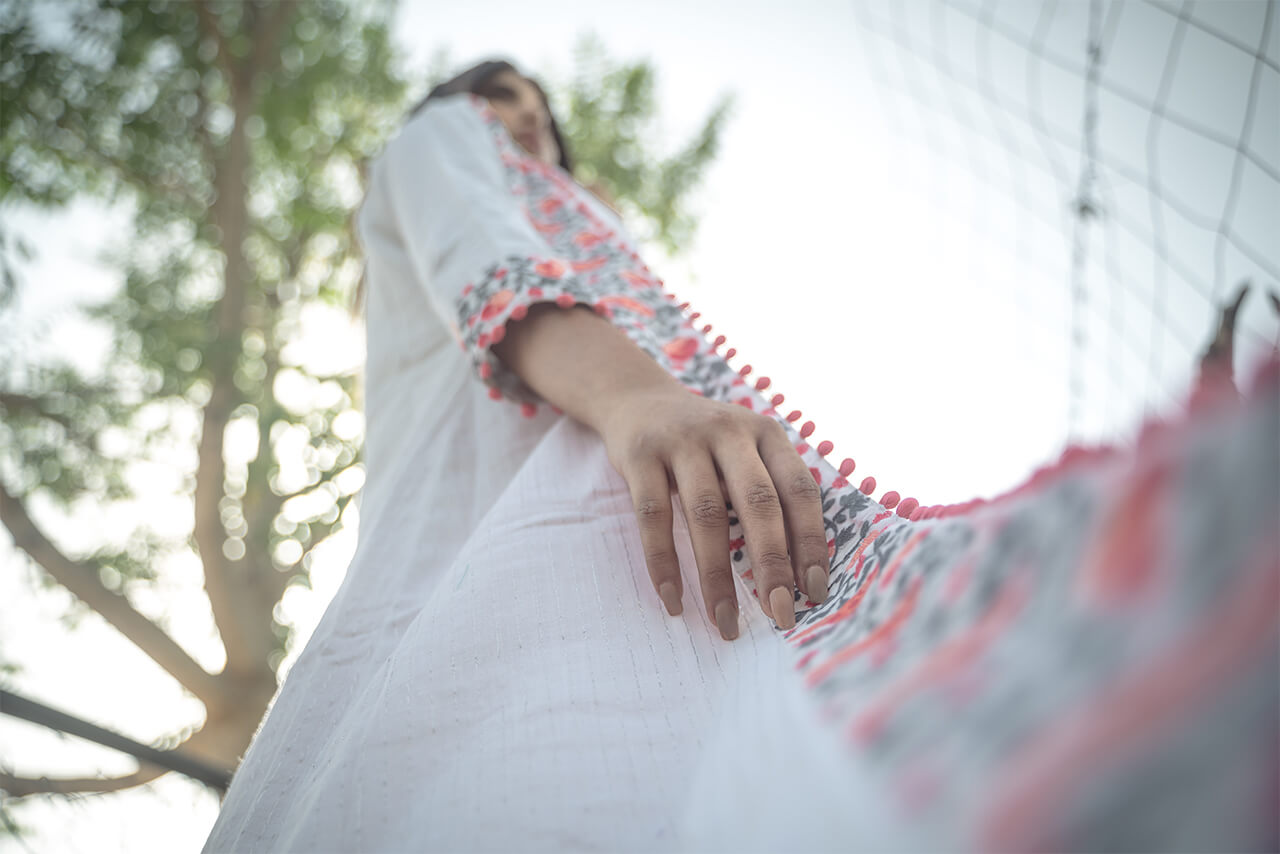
{"x":1123,"y":156}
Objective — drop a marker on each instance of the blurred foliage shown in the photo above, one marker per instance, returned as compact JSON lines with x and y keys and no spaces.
{"x":139,"y":103}
{"x":610,"y":111}
{"x":237,"y":135}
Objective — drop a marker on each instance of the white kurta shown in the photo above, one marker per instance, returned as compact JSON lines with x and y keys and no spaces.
{"x":496,"y":672}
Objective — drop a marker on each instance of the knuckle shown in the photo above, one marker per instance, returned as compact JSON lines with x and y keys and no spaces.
{"x":768,"y":426}
{"x":773,"y":558}
{"x":708,"y":511}
{"x":651,"y":511}
{"x":811,"y":543}
{"x":801,"y":485}
{"x":716,"y":576}
{"x":660,"y":558}
{"x":645,"y":446}
{"x":762,"y":498}
{"x":721,"y":418}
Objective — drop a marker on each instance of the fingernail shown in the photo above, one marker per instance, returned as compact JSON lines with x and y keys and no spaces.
{"x":783,"y":605}
{"x":727,"y":619}
{"x":815,"y":582}
{"x":670,"y":597}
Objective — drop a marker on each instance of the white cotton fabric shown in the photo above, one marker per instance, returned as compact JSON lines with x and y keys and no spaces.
{"x":496,"y":672}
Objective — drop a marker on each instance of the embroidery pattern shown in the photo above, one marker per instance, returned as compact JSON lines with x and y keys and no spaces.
{"x":1009,"y":641}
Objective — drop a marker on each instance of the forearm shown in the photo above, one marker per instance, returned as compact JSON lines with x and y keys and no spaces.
{"x":578,"y":361}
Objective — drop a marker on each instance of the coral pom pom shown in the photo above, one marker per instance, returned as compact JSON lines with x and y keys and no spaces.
{"x":794,"y":416}
{"x":868,"y":486}
{"x":730,"y":353}
{"x":907,"y":507}
{"x":565,"y":300}
{"x":917,"y":514}
{"x":890,"y":500}
{"x":776,"y":400}
{"x":695,"y":315}
{"x":824,"y":448}
{"x":706,"y":329}
{"x":519,"y":312}
{"x":847,"y":466}
{"x":528,"y":410}
{"x":807,"y":430}
{"x":762,"y":384}
{"x":494,"y":394}
{"x":744,"y":370}
{"x":497,"y":334}
{"x":720,"y":339}
{"x":486,"y":370}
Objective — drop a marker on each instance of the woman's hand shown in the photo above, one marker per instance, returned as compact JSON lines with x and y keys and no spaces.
{"x":661,"y":437}
{"x":668,"y":439}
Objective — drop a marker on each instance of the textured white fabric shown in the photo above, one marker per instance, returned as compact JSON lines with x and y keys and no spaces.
{"x":496,"y":672}
{"x":1058,"y":669}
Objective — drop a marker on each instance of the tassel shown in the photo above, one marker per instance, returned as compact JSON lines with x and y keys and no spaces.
{"x":825,"y":447}
{"x":868,"y":486}
{"x":807,"y":430}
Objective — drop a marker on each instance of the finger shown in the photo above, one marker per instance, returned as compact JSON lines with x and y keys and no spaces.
{"x":756,"y":502}
{"x":651,"y":499}
{"x":801,"y":500}
{"x":708,"y":520}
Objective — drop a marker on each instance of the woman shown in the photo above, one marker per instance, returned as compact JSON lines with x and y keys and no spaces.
{"x":495,"y":648}
{"x":496,"y":674}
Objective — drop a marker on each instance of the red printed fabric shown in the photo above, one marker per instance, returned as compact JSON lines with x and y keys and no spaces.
{"x":1087,"y":663}
{"x":588,"y":262}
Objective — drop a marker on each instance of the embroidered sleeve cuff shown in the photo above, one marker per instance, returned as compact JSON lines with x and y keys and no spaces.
{"x":629,"y":299}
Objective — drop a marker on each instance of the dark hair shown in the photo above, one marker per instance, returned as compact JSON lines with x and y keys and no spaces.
{"x":477,"y":79}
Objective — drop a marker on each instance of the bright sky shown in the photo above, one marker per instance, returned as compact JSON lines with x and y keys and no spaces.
{"x":886,"y":244}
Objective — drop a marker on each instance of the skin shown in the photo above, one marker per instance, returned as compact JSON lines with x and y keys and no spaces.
{"x":522,"y":110}
{"x":664,"y":440}
{"x":520,"y":106}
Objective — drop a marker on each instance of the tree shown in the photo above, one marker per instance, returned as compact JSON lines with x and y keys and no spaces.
{"x":238,"y":133}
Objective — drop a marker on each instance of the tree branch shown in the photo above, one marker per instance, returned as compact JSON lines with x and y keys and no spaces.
{"x":82,"y":580}
{"x":266,"y":41}
{"x":209,"y":24}
{"x":19,"y":787}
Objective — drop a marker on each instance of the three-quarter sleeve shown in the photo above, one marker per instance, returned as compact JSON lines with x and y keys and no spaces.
{"x":490,"y":231}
